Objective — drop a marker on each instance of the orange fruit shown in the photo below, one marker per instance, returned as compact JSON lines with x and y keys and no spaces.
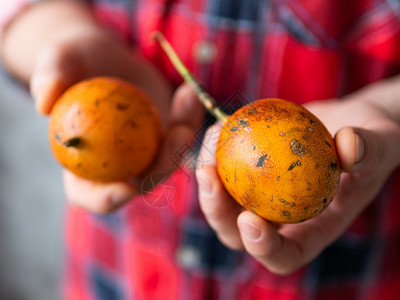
{"x":278,"y":160}
{"x":104,"y":129}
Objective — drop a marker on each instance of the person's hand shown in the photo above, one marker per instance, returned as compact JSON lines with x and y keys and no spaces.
{"x":76,"y":54}
{"x":367,"y":136}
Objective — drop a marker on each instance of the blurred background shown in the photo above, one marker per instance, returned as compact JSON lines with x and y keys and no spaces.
{"x":31,"y":201}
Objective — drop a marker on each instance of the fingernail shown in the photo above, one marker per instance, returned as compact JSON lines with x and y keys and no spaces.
{"x":359,"y":148}
{"x":204,"y":185}
{"x":38,"y":86}
{"x":250,"y":231}
{"x":41,"y":88}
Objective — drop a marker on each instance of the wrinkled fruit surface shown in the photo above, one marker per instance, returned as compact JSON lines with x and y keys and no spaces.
{"x":278,"y":160}
{"x":104,"y":129}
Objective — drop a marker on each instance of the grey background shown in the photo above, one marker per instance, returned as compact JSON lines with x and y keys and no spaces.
{"x":31,"y":201}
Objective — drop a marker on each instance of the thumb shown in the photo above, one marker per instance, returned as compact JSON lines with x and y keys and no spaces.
{"x":55,"y":70}
{"x":186,"y":115}
{"x":186,"y":108}
{"x":369,"y":149}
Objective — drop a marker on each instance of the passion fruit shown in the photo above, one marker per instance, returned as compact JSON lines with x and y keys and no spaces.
{"x":104,"y":129}
{"x":278,"y":160}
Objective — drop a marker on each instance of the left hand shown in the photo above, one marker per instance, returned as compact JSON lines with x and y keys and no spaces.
{"x":77,"y":54}
{"x":367,"y":136}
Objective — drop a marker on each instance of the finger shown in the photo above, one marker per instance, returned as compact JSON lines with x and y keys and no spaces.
{"x":369,"y":149}
{"x":284,"y":250}
{"x":219,"y":209}
{"x":185,"y":117}
{"x":186,"y":109}
{"x":262,"y":240}
{"x":56,"y":68}
{"x":97,"y":197}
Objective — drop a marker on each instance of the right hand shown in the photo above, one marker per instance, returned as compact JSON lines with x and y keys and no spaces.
{"x":366,"y":126}
{"x":76,"y":54}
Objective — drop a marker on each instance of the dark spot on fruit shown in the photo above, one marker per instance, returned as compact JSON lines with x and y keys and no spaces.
{"x":282,"y":134}
{"x":234,"y":128}
{"x":105,"y":164}
{"x":252,"y":111}
{"x":333,"y":166}
{"x":261,"y":159}
{"x":297,"y":148}
{"x":298,"y":163}
{"x":312,"y":122}
{"x":292,"y":166}
{"x":132,"y":123}
{"x":122,"y":106}
{"x":279,"y":177}
{"x":286,"y":213}
{"x":329,"y":145}
{"x":72,"y":142}
{"x":97,"y":102}
{"x":57,"y":137}
{"x":268,"y":126}
{"x":272,"y":198}
{"x":325,"y":200}
{"x":244,"y":123}
{"x":79,"y":165}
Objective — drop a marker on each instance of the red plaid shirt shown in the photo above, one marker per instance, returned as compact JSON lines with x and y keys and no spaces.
{"x":158,"y":246}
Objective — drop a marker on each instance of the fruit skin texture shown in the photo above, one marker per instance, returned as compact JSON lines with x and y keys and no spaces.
{"x":278,"y":160}
{"x":117,"y":127}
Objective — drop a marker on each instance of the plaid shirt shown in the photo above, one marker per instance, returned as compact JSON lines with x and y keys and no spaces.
{"x":159,"y":246}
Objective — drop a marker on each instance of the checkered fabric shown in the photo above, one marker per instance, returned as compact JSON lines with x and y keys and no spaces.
{"x":159,"y":246}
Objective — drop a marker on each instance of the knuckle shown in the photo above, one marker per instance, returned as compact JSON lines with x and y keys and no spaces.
{"x":283,"y":271}
{"x":231,"y":242}
{"x":213,"y":212}
{"x":381,"y":145}
{"x":100,"y":206}
{"x":104,"y":206}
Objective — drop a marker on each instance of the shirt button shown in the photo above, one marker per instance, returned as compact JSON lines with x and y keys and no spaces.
{"x":188,"y":257}
{"x":204,"y":52}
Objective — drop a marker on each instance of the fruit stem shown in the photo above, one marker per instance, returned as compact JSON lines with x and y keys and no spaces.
{"x":205,"y":98}
{"x":72,"y":142}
